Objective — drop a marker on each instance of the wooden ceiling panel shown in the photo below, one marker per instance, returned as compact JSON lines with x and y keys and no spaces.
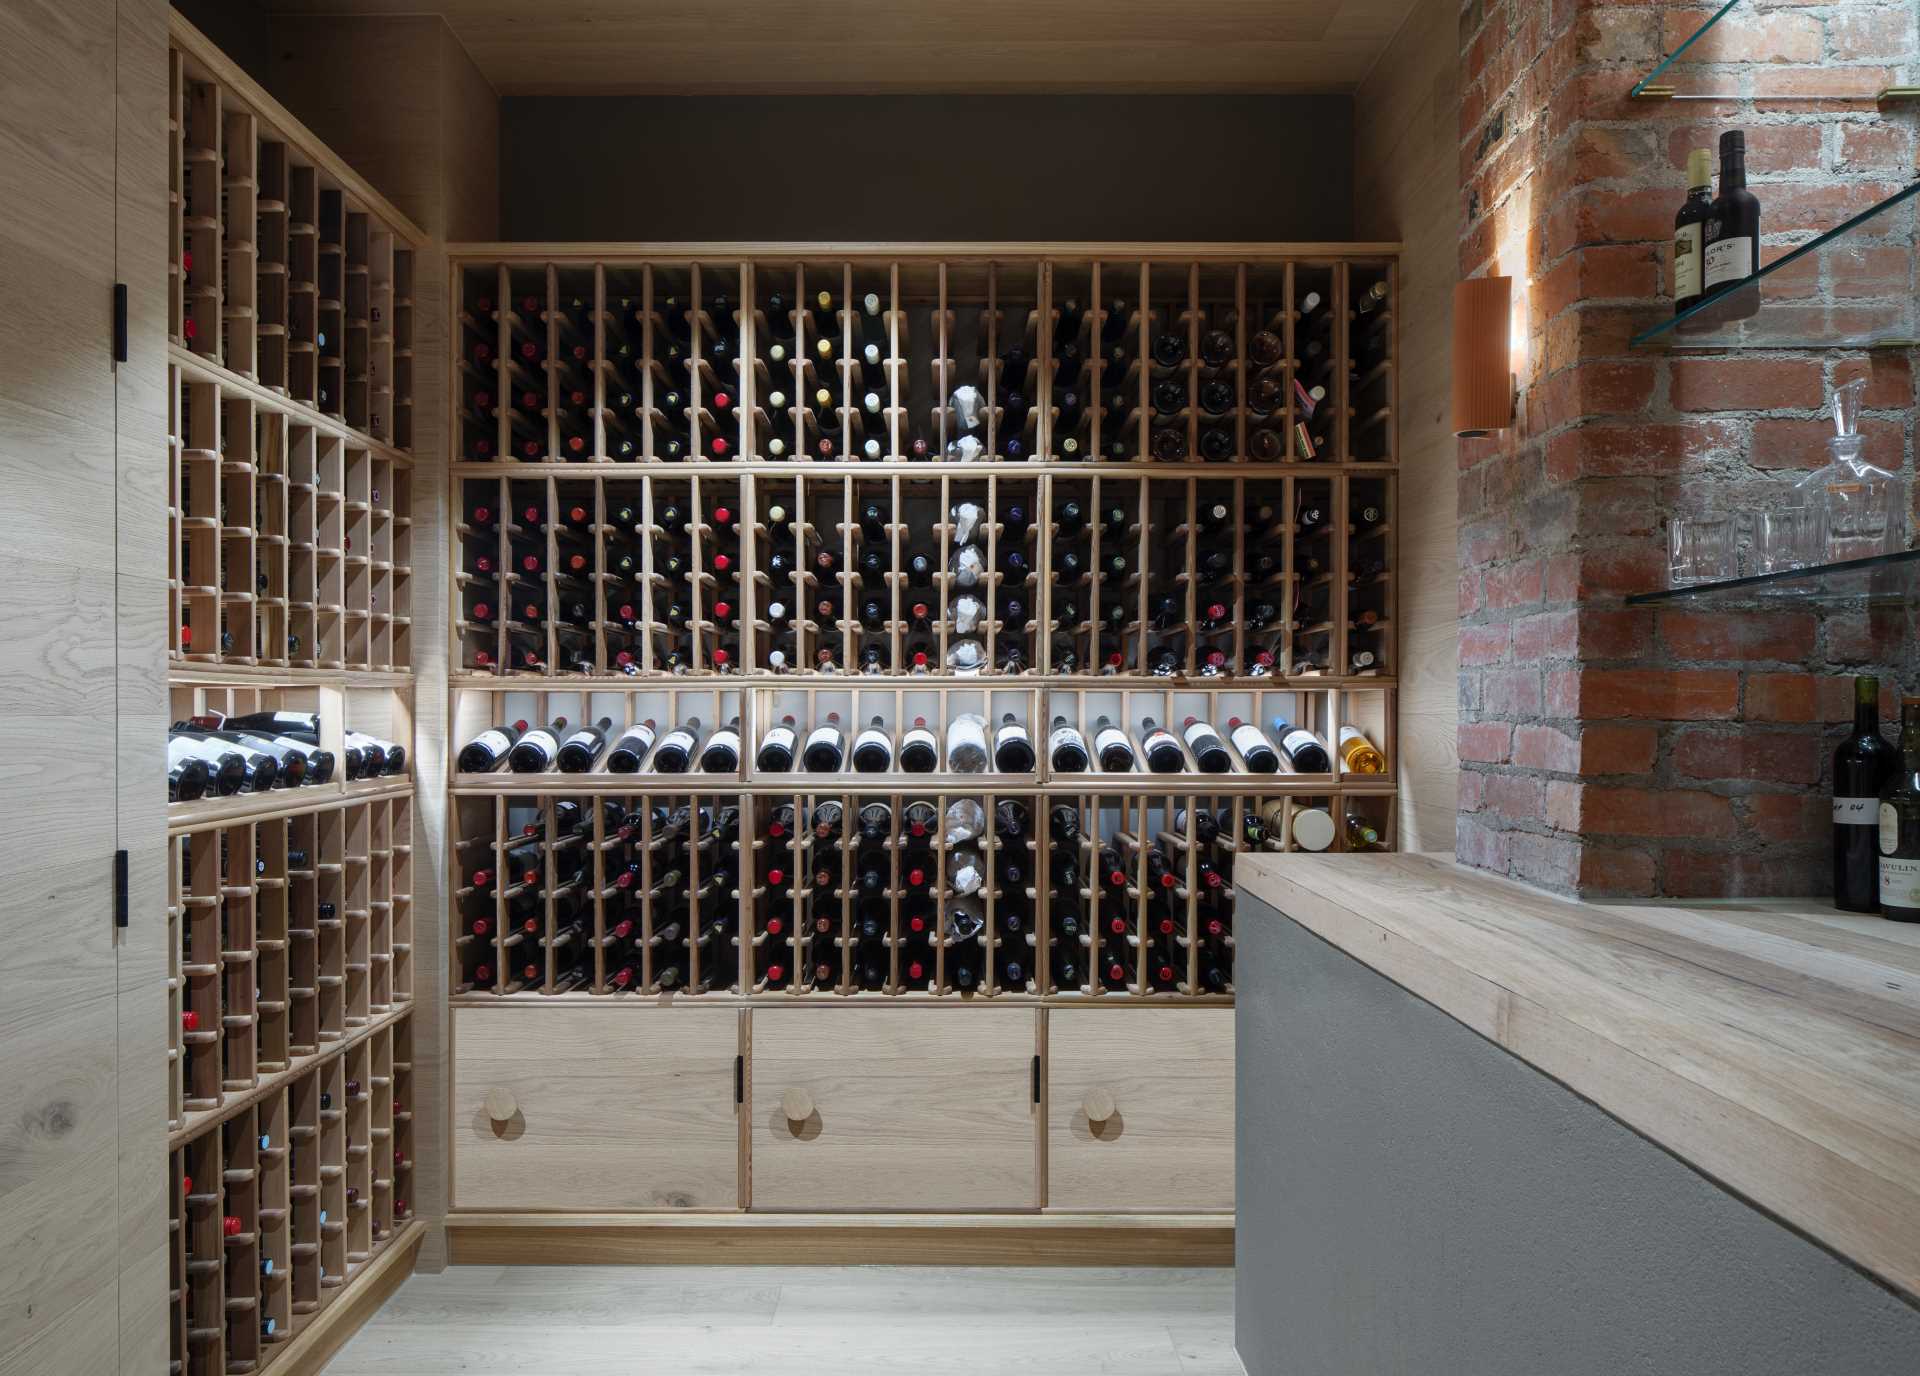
{"x":585,"y":47}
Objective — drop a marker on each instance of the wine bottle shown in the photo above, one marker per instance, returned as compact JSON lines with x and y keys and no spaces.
{"x":225,"y":772}
{"x":1209,"y":751}
{"x":381,"y":756}
{"x":674,"y":753}
{"x":580,"y":750}
{"x":1732,"y":231}
{"x":1689,"y":230}
{"x":256,"y":769}
{"x":1254,"y":747}
{"x":1111,"y":745}
{"x":535,"y":751}
{"x":1160,"y":749}
{"x":1067,"y":748}
{"x":1012,"y":747}
{"x":1861,"y":767}
{"x":825,"y":748}
{"x":873,"y":749}
{"x":1312,"y":828}
{"x":776,"y":747}
{"x":631,"y":748}
{"x":1301,"y":749}
{"x":722,"y":752}
{"x":1899,"y":816}
{"x":919,"y":750}
{"x":966,"y":744}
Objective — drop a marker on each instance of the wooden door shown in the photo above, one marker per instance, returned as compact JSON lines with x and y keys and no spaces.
{"x":1140,"y":1109}
{"x":610,"y":1108}
{"x":69,"y":1140}
{"x":913,"y":1108}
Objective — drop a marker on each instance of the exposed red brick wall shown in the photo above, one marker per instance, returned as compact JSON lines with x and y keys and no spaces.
{"x":1679,"y":751}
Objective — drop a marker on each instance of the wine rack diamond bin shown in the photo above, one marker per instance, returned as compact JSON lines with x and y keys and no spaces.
{"x":693,"y":360}
{"x":290,"y":935}
{"x":292,"y":544}
{"x":286,"y":270}
{"x":288,"y":1198}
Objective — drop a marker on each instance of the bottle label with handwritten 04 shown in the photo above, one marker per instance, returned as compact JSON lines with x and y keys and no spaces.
{"x":1855,"y":812}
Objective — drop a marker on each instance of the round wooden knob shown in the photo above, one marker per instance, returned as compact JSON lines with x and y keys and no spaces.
{"x":796,"y":1105}
{"x":501,"y":1105}
{"x":1098,"y":1106}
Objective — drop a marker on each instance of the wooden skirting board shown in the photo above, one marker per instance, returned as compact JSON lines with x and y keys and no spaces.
{"x":554,"y":1239}
{"x":313,"y":1347}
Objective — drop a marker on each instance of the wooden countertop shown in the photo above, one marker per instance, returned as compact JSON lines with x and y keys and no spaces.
{"x":1774,"y":1046}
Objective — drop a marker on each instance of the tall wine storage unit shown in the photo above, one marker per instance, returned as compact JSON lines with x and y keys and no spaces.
{"x":290,"y":911}
{"x":708,"y":1013}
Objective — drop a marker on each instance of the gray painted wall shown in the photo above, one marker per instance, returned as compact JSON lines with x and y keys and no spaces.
{"x":927,"y":167}
{"x":1415,"y":1201}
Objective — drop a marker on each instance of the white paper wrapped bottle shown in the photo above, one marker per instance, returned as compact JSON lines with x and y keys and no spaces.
{"x":967,"y":744}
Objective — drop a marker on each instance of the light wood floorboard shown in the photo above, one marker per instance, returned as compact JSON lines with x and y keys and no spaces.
{"x":851,"y":1320}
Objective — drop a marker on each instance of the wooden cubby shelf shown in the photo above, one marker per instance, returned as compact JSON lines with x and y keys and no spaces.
{"x":290,"y":505}
{"x":286,"y":269}
{"x":280,"y":1204}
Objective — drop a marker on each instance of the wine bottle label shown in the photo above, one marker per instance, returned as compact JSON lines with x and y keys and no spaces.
{"x":1064,"y":735}
{"x":874,"y":736}
{"x":1009,"y":731}
{"x":779,"y":738}
{"x":1889,"y":829}
{"x":1687,"y":253}
{"x":726,"y":738}
{"x":1300,"y":739}
{"x":542,"y":740}
{"x":1197,"y":734}
{"x":1899,"y":881}
{"x":919,"y":736}
{"x":1110,"y":737}
{"x":678,"y":737}
{"x":824,"y":735}
{"x":586,"y":738}
{"x":496,"y":742}
{"x":1729,"y":260}
{"x":1249,"y":739}
{"x":1855,"y":812}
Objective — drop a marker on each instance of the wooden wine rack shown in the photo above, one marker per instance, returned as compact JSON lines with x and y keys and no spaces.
{"x":576,"y":481}
{"x":292,"y":540}
{"x":290,"y":1198}
{"x":286,"y":269}
{"x":287,"y":935}
{"x":290,"y":912}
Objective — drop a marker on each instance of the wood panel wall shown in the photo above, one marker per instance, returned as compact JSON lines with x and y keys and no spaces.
{"x":1407,"y":187}
{"x":401,"y":102}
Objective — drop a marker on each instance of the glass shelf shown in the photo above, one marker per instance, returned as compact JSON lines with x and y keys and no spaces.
{"x":1651,"y":87}
{"x":1854,"y":287}
{"x":1881,"y":578}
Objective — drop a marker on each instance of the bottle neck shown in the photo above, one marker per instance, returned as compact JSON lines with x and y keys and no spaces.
{"x":1866,"y":716}
{"x":1733,"y":173}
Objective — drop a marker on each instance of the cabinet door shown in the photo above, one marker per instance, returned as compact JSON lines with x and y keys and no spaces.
{"x":1159,"y":1084}
{"x":899,"y":1108}
{"x":598,"y":1108}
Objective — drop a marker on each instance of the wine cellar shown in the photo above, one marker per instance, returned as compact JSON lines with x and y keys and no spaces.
{"x":777,"y":582}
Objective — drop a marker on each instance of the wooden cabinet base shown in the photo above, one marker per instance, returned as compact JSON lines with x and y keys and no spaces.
{"x":478,"y":1239}
{"x":313,"y":1347}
